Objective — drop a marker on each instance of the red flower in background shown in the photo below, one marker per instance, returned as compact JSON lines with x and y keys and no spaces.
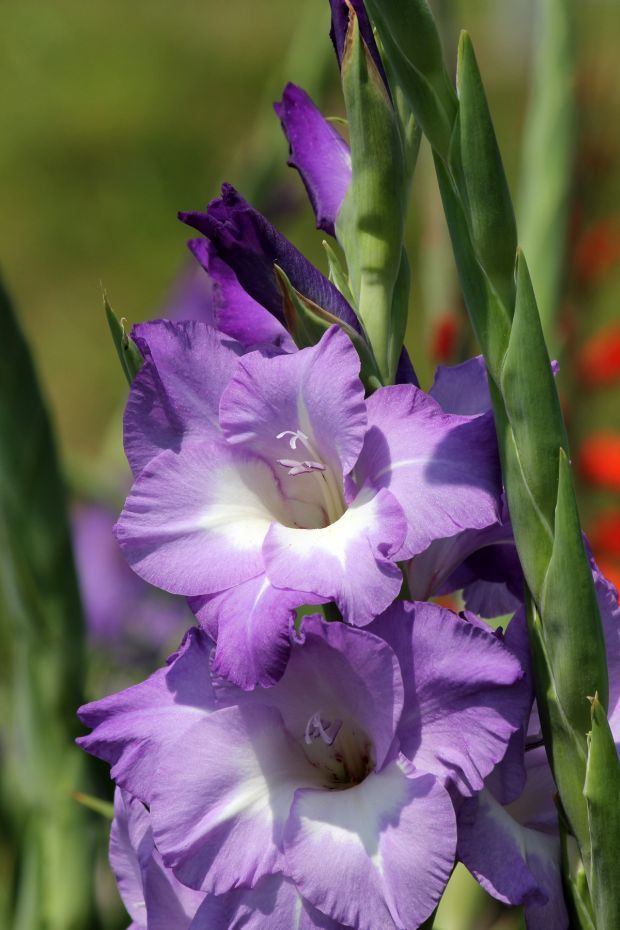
{"x":596,"y":251}
{"x":599,"y":460}
{"x":444,"y":337}
{"x":599,"y":359}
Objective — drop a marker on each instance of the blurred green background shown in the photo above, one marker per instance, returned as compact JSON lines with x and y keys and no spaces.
{"x":117,"y":114}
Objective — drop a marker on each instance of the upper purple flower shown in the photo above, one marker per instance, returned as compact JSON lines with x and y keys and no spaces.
{"x":272,"y":479}
{"x":328,"y":791}
{"x":318,"y":152}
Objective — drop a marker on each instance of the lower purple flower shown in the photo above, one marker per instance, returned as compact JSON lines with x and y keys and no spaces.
{"x":511,"y":843}
{"x":331,"y":791}
{"x":154,"y":899}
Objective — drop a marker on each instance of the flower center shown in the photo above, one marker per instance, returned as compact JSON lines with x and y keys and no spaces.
{"x":341,"y":751}
{"x":330,"y":493}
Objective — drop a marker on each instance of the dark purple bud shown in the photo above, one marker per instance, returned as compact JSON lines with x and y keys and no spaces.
{"x":250,"y":245}
{"x":341,"y":10}
{"x":318,"y":152}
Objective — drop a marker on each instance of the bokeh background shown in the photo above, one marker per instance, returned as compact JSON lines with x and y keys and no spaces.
{"x":118,"y":113}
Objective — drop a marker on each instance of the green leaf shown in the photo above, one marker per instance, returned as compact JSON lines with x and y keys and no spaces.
{"x":413,"y":53}
{"x":42,"y":645}
{"x":128,"y":353}
{"x":489,"y":317}
{"x":574,"y":878}
{"x":602,"y":794}
{"x":482,"y":180}
{"x":534,"y":413}
{"x":307,"y":321}
{"x":547,"y":157}
{"x":337,"y":274}
{"x":571,"y":621}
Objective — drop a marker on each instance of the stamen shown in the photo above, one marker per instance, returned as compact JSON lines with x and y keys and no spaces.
{"x":334,"y":505}
{"x":318,"y":728}
{"x":300,"y":468}
{"x":296,"y":436}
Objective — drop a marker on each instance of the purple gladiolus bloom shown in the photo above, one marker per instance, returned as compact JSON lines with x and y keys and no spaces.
{"x":154,"y":899}
{"x":339,"y":778}
{"x":258,"y":473}
{"x":318,"y":152}
{"x":511,"y":842}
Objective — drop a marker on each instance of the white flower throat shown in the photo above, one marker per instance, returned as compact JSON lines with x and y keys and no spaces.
{"x":331,"y":497}
{"x":339,"y":749}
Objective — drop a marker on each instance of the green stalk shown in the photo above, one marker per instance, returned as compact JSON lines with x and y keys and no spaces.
{"x":548,"y":150}
{"x":371,"y":223}
{"x":41,"y":639}
{"x":565,"y":628}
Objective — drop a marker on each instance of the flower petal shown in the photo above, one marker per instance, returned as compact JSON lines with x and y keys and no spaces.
{"x":346,"y":561}
{"x":131,"y":830}
{"x":442,"y":469}
{"x":234,"y":311}
{"x":195,"y":521}
{"x":318,"y":152}
{"x":171,"y":400}
{"x":514,"y":864}
{"x":150,"y":892}
{"x":315,"y":391}
{"x":376,"y":855}
{"x":462,"y":388}
{"x":132,"y":728}
{"x":431,"y":572}
{"x":250,"y":245}
{"x":274,"y":904}
{"x":252,"y":623}
{"x":222,"y":796}
{"x":343,"y":673}
{"x":463,"y":701}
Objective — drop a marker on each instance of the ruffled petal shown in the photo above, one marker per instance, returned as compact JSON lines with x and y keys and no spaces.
{"x":318,"y":152}
{"x":132,"y":728}
{"x":463,"y":701}
{"x":235,"y":312}
{"x":222,"y":796}
{"x":431,"y":572}
{"x":343,"y":674}
{"x":443,"y":469}
{"x":150,"y":892}
{"x":462,"y":388}
{"x":514,"y":864}
{"x":252,"y":623}
{"x":274,"y":904}
{"x":195,"y":520}
{"x":346,"y":561}
{"x":171,"y":400}
{"x":376,"y":855}
{"x":315,"y":391}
